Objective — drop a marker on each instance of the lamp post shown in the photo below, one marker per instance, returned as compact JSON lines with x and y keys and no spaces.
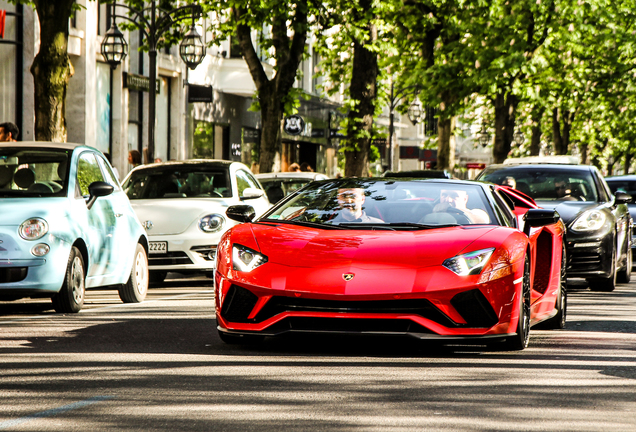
{"x":191,"y":49}
{"x":484,"y":137}
{"x":415,"y":111}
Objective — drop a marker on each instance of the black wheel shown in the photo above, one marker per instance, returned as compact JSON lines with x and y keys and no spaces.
{"x":70,"y":299}
{"x":240,"y":339}
{"x":625,"y":275}
{"x":605,"y":284}
{"x":135,"y":290}
{"x":520,"y":340}
{"x":157,"y":276}
{"x":558,"y":321}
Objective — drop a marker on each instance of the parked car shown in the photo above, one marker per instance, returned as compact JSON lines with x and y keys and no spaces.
{"x":182,"y":205}
{"x":279,"y":185}
{"x":429,"y":173}
{"x":599,"y":234}
{"x":66,"y":226}
{"x":626,"y":184}
{"x":358,"y":256}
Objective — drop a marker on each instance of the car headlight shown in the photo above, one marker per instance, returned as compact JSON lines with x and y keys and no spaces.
{"x":211,"y":223}
{"x":470,"y":263}
{"x":246,"y":259}
{"x":33,"y":229}
{"x":590,"y":220}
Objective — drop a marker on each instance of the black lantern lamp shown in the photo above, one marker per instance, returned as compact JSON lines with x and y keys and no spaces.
{"x":114,"y":46}
{"x":192,"y":49}
{"x":518,"y":137}
{"x":484,"y":137}
{"x":415,"y":112}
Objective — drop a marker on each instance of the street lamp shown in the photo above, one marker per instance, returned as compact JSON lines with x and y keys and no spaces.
{"x":191,"y":49}
{"x":415,"y":112}
{"x":518,"y":137}
{"x":484,"y":137}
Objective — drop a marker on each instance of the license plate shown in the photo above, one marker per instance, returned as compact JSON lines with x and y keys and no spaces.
{"x":158,"y":247}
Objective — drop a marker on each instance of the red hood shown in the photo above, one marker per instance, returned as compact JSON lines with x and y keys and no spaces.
{"x":296,"y":246}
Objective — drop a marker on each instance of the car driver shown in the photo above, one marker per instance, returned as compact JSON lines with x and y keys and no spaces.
{"x":457,"y":199}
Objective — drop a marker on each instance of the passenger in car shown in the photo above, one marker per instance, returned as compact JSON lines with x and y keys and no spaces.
{"x":350,"y":201}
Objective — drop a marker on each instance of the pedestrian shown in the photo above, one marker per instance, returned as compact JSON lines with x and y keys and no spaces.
{"x":306,"y":167}
{"x":9,"y":132}
{"x":134,"y":158}
{"x":294,"y":167}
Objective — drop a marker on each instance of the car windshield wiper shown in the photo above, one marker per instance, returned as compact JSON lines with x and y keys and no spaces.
{"x":398,"y":225}
{"x":370,"y":226}
{"x":303,"y":223}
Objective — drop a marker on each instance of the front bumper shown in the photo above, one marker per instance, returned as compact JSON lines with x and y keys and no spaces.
{"x":184,"y":253}
{"x":471,"y":312}
{"x":590,"y":256}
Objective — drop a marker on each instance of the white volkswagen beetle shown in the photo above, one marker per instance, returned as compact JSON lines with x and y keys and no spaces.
{"x":182,"y":206}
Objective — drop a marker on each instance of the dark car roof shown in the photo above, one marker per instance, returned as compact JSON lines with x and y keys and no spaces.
{"x":628,"y":177}
{"x":190,"y":163}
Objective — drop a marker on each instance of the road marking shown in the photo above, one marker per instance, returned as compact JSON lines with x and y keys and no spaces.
{"x":53,"y":412}
{"x":85,"y":311}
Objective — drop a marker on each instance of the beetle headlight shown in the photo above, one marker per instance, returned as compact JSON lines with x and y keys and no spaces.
{"x":246,"y":259}
{"x":590,"y":220}
{"x":33,"y":229}
{"x":211,"y":223}
{"x":470,"y":263}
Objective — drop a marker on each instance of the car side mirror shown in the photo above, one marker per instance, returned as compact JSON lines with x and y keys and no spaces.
{"x":241,"y":213}
{"x":539,"y":217}
{"x":622,"y":198}
{"x":98,"y":189}
{"x":252,"y":193}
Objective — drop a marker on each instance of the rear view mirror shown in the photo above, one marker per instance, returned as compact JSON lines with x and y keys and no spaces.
{"x":539,"y":217}
{"x":241,"y":213}
{"x":98,"y":189}
{"x":622,"y":198}
{"x":252,"y":193}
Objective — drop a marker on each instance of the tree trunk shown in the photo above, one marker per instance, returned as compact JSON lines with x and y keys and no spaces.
{"x":271,"y":118}
{"x":51,"y":70}
{"x":584,"y":152}
{"x":505,"y":109}
{"x":363,"y":89}
{"x":446,"y":144}
{"x":627,"y":163}
{"x":535,"y":141}
{"x":561,"y":126}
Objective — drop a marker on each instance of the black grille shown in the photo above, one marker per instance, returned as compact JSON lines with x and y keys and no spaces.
{"x":421,"y":307}
{"x":238,"y":304}
{"x":12,"y":274}
{"x":169,"y":258}
{"x":583,"y":261}
{"x":347,"y":325}
{"x":475,"y":309}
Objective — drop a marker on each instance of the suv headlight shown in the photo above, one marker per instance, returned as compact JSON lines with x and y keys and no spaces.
{"x":470,"y":263}
{"x":590,"y":220}
{"x":246,"y":259}
{"x":211,"y":223}
{"x":33,"y":229}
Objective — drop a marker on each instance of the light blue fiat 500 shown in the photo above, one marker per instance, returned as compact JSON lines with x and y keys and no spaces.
{"x":66,"y":225}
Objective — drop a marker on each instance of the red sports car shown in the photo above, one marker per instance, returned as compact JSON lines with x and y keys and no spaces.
{"x":434,"y":259}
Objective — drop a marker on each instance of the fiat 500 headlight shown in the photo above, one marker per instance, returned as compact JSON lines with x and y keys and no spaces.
{"x":33,"y":229}
{"x":470,"y":263}
{"x":590,"y":220}
{"x":246,"y":259}
{"x":211,"y":223}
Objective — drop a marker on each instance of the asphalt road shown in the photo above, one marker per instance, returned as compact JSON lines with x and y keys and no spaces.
{"x":160,"y":366}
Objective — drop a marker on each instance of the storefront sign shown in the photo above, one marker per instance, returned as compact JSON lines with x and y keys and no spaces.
{"x":200,"y":93}
{"x":3,"y":17}
{"x":476,"y":165}
{"x":427,"y":155}
{"x":409,"y":152}
{"x":138,"y":82}
{"x":294,"y":125}
{"x":251,"y":135}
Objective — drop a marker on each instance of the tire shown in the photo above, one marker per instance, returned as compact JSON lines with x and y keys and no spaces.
{"x":625,"y":275}
{"x":605,"y":284}
{"x":70,"y":299}
{"x":558,"y":321}
{"x":240,"y":339}
{"x":157,"y":276}
{"x":135,"y":290}
{"x":520,"y":341}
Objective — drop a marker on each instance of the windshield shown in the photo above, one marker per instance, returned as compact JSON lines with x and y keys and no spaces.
{"x":546,"y":183}
{"x":278,"y":188}
{"x":618,"y":185}
{"x":353,"y":203}
{"x":178,"y":182}
{"x":33,"y":172}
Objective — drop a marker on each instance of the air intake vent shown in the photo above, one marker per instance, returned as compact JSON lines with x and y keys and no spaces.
{"x":474,"y":307}
{"x":12,"y":274}
{"x":238,"y":304}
